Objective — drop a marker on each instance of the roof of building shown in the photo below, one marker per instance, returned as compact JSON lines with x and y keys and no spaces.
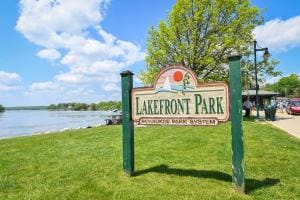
{"x":260,"y":93}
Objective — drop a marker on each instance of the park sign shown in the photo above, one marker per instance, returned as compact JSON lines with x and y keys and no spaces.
{"x":176,"y":98}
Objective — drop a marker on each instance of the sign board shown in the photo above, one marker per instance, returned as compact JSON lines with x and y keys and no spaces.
{"x":177,"y":99}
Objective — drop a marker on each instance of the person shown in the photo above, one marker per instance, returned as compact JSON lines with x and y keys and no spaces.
{"x":247,"y":105}
{"x":273,"y":103}
{"x":280,"y":106}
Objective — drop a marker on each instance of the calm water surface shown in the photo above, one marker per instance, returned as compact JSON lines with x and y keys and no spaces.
{"x":28,"y":122}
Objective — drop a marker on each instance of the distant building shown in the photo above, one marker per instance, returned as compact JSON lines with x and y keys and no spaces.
{"x":262,"y":96}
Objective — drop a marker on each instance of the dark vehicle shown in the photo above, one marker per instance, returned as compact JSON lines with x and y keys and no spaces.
{"x":293,"y":106}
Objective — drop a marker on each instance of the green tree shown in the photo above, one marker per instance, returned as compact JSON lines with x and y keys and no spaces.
{"x":52,"y":107}
{"x":287,"y":86}
{"x":79,"y":106}
{"x":109,"y":105}
{"x":2,"y":109}
{"x":270,"y":87}
{"x":264,"y":67}
{"x":93,"y":106}
{"x":201,"y":34}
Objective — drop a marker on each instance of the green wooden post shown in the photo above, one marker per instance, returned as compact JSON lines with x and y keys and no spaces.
{"x":236,"y":123}
{"x":128,"y":128}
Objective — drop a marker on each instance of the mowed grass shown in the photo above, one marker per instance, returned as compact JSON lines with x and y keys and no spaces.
{"x":171,"y":163}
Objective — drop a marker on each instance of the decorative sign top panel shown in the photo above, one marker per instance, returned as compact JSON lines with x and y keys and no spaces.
{"x":175,"y":79}
{"x":177,"y":99}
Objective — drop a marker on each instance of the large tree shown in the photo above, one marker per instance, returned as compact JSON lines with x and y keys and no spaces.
{"x":201,"y":34}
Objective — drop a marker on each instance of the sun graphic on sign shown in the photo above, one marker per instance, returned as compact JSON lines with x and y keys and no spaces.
{"x":177,"y":76}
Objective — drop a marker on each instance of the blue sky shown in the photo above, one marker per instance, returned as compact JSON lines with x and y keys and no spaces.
{"x":73,"y":51}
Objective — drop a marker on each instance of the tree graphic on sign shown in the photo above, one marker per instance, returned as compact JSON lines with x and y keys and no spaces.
{"x":186,"y":82}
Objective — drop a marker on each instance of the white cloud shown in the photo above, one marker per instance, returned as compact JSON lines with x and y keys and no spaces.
{"x":9,"y":81}
{"x":72,"y":78}
{"x":80,"y":91}
{"x":47,"y":22}
{"x":105,"y":67}
{"x":111,"y":87}
{"x":50,"y":54}
{"x":279,"y":35}
{"x":44,"y":86}
{"x":65,"y":25}
{"x":9,"y":78}
{"x":8,"y":87}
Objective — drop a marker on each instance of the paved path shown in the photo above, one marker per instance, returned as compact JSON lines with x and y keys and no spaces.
{"x":288,"y":123}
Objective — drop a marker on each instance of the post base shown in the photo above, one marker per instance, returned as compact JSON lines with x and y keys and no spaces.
{"x":240,"y":189}
{"x":129,"y":173}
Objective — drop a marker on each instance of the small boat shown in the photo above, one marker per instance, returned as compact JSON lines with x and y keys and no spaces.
{"x":167,"y":85}
{"x":115,"y":118}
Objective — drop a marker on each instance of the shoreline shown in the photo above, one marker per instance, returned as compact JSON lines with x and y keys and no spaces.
{"x":56,"y":131}
{"x":21,"y":123}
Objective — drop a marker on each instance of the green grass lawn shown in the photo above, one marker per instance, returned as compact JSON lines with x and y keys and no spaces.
{"x":171,"y":163}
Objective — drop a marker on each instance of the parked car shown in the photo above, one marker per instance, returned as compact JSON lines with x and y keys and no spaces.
{"x":293,"y":106}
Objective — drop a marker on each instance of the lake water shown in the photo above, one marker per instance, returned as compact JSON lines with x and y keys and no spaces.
{"x":27,"y":122}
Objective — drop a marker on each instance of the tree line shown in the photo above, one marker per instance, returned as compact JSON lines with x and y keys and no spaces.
{"x":108,"y":105}
{"x":2,"y":109}
{"x":27,"y":108}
